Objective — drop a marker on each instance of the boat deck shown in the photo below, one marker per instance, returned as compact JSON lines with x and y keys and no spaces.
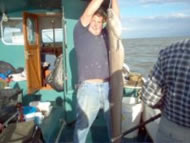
{"x":98,"y":134}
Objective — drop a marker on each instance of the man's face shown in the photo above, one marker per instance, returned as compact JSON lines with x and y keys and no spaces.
{"x":96,"y":25}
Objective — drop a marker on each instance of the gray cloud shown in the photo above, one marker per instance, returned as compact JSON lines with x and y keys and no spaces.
{"x":160,"y":26}
{"x":163,"y":1}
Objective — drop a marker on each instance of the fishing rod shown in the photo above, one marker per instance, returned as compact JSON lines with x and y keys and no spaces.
{"x":136,"y":127}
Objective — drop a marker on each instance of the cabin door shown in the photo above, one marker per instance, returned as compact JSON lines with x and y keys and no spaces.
{"x":32,"y":51}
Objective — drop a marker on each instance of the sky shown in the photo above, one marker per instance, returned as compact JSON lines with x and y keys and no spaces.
{"x":155,"y":18}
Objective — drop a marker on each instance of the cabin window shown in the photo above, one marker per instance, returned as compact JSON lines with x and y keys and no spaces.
{"x":52,"y":35}
{"x":11,"y":32}
{"x":31,"y":31}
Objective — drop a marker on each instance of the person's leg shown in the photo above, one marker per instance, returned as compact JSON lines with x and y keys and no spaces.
{"x":106,"y":106}
{"x":87,"y":109}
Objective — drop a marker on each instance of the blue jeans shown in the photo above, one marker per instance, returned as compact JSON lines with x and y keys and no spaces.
{"x":91,"y":97}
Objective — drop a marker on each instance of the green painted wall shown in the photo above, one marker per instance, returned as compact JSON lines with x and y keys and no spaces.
{"x":12,"y":54}
{"x":72,"y":10}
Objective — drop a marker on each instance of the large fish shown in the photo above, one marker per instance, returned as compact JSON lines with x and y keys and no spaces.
{"x":116,"y":61}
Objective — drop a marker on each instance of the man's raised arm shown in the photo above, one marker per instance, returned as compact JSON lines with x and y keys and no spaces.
{"x":89,"y":11}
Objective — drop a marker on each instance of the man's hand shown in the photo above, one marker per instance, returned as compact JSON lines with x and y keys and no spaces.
{"x":115,"y":7}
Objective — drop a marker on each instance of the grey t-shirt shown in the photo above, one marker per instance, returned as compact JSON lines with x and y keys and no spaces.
{"x":91,"y":53}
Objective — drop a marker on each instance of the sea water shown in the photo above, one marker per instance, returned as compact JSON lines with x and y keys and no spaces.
{"x":141,"y":54}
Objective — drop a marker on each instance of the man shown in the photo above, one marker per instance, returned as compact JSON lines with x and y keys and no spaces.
{"x":168,"y":87}
{"x":93,"y":69}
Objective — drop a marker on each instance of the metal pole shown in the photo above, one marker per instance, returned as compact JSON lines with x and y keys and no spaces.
{"x":136,"y":127}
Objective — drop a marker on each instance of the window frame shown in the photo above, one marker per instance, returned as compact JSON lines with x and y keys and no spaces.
{"x":2,"y":32}
{"x":53,"y":38}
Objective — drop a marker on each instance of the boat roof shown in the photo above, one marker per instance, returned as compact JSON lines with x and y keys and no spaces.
{"x":9,"y":6}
